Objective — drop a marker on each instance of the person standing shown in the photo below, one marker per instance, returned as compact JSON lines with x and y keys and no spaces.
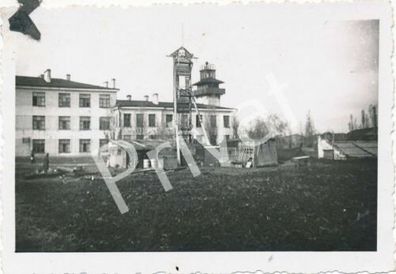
{"x":46,"y":163}
{"x":32,"y":159}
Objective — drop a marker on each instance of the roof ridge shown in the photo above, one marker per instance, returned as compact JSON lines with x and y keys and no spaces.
{"x":37,"y":81}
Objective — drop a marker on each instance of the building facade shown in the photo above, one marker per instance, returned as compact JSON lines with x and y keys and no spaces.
{"x":61,"y":117}
{"x":150,"y":119}
{"x":199,"y":114}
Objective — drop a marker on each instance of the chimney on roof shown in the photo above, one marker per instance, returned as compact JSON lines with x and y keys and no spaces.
{"x":146,"y":98}
{"x":129,"y":97}
{"x":155,"y":98}
{"x":47,"y":75}
{"x":114,"y":82}
{"x":68,"y":77}
{"x":106,"y":84}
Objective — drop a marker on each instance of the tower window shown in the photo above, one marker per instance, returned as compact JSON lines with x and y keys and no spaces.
{"x":182,"y":52}
{"x":182,"y":82}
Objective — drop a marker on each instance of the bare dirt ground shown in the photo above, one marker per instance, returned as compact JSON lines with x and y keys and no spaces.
{"x":328,"y":206}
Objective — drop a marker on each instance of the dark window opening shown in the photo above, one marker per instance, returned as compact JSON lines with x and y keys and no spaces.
{"x":213,"y":122}
{"x":168,"y":120}
{"x":198,"y":120}
{"x":64,"y":146}
{"x":39,"y":122}
{"x":39,"y":146}
{"x":85,"y":100}
{"x":226,"y":120}
{"x":151,"y":120}
{"x":85,"y":123}
{"x":85,"y":145}
{"x":139,"y":120}
{"x":104,"y":123}
{"x":64,"y":100}
{"x":64,"y":122}
{"x":104,"y":100}
{"x":127,"y":120}
{"x":39,"y":99}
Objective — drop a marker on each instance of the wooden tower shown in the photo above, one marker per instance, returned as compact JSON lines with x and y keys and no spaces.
{"x":182,"y":91}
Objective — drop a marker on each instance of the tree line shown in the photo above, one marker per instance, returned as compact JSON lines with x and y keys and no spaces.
{"x":368,"y":119}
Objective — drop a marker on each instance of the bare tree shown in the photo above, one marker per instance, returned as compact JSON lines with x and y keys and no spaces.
{"x":258,"y":129}
{"x":272,"y":125}
{"x":352,"y":124}
{"x":277,"y":125}
{"x":235,"y":127}
{"x":309,"y":126}
{"x":364,"y":120}
{"x":373,"y":115}
{"x":309,"y":131}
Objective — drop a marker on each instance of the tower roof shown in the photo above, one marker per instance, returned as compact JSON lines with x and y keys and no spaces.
{"x":206,"y":81}
{"x":182,"y":50}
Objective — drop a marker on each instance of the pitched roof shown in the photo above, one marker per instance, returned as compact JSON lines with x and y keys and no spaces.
{"x":358,"y":149}
{"x":363,"y":134}
{"x":188,"y":54}
{"x":139,"y":103}
{"x":55,"y":83}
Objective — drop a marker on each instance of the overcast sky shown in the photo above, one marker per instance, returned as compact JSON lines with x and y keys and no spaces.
{"x":328,"y":67}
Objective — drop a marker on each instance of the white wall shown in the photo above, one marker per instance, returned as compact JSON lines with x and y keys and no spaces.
{"x":160,"y":115}
{"x":24,"y":120}
{"x":323,"y":144}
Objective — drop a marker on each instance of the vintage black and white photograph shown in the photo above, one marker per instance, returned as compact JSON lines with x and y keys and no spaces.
{"x":199,"y":128}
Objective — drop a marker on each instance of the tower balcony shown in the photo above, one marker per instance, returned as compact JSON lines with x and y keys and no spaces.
{"x":208,"y":91}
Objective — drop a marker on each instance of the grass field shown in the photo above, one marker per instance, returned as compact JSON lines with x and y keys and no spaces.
{"x":329,"y":206}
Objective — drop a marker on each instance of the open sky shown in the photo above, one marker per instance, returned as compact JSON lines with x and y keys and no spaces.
{"x":328,"y":67}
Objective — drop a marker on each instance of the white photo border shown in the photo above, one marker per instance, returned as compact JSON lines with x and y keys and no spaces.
{"x":209,"y":262}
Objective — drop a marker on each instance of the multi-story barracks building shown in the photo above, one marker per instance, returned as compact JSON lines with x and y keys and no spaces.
{"x":62,"y":117}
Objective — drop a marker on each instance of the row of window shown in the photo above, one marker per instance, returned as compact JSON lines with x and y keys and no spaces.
{"x":169,"y":119}
{"x":104,"y":122}
{"x":64,"y":100}
{"x":212,"y":137}
{"x":64,"y":145}
{"x":64,"y":123}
